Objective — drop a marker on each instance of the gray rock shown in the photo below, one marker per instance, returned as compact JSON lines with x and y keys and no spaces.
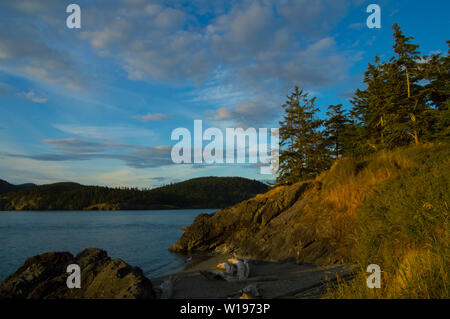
{"x":274,"y":226}
{"x":44,"y":277}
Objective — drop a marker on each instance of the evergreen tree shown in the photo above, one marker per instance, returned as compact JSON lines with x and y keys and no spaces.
{"x":406,"y":100}
{"x":407,"y":96}
{"x":335,"y":130}
{"x":437,"y":72}
{"x":372,"y":112}
{"x":288,"y":156}
{"x":301,"y":156}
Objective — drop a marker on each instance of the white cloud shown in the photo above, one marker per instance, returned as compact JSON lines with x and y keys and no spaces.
{"x":261,"y":46}
{"x":167,"y":43}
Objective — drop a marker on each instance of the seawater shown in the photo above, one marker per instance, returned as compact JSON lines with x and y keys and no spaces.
{"x":140,"y":238}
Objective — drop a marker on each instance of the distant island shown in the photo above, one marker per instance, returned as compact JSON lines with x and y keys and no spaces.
{"x":6,"y":187}
{"x":203,"y":192}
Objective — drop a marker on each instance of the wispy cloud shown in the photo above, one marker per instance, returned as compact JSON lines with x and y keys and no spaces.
{"x":167,"y":43}
{"x":73,"y":150}
{"x":82,"y":146}
{"x":151,"y":117}
{"x":229,"y":61}
{"x":246,"y":114}
{"x":32,"y":97}
{"x":178,"y":48}
{"x":23,"y":54}
{"x":105,"y":132}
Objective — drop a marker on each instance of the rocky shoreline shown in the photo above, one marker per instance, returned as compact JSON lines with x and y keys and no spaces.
{"x":44,"y":277}
{"x":274,"y":226}
{"x":277,"y":233}
{"x":274,"y":232}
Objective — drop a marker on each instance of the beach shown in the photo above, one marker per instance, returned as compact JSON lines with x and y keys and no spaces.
{"x":274,"y":280}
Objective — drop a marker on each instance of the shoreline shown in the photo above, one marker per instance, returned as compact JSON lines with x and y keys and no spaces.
{"x":275,"y":280}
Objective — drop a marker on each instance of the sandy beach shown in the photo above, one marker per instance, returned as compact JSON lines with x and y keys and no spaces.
{"x":274,"y":280}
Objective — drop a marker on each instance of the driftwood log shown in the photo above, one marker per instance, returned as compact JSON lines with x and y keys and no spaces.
{"x":233,"y":270}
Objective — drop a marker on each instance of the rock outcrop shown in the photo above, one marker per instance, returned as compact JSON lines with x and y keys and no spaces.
{"x":44,"y":277}
{"x":274,"y":226}
{"x":316,"y":221}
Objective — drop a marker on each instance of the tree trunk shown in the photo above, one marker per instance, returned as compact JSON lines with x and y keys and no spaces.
{"x":407,"y":82}
{"x":416,"y":133}
{"x":336,"y":144}
{"x":411,"y":115}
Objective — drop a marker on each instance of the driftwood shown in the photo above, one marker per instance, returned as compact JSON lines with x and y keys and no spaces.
{"x":242,"y":268}
{"x":232,"y":270}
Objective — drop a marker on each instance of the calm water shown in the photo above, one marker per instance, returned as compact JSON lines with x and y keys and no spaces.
{"x":140,"y":238}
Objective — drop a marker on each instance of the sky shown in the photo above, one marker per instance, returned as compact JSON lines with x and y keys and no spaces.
{"x":97,"y":105}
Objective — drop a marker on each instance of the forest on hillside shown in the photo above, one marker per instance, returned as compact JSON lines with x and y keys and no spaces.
{"x":203,"y":192}
{"x":6,"y":187}
{"x":405,"y":101}
{"x":381,"y":173}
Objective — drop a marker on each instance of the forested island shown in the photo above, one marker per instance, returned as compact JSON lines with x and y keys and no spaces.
{"x":6,"y":187}
{"x":203,"y":192}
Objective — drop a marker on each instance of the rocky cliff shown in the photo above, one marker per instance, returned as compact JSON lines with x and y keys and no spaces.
{"x":319,"y":221}
{"x":44,"y":277}
{"x":274,"y":226}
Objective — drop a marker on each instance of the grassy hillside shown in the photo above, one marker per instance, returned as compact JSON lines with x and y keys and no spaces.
{"x":205,"y":192}
{"x":392,"y":209}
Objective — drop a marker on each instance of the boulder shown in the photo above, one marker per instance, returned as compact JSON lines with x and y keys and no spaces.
{"x":44,"y":277}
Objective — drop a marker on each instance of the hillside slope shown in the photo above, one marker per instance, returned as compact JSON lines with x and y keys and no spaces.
{"x":390,"y":209}
{"x":6,"y":187}
{"x":204,"y":192}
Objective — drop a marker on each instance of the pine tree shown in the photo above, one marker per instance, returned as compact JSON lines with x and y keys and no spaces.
{"x":372,"y":112}
{"x":393,"y":109}
{"x":406,"y":66}
{"x":437,"y":72}
{"x":406,"y":100}
{"x":288,"y":156}
{"x":300,"y":139}
{"x":335,"y":130}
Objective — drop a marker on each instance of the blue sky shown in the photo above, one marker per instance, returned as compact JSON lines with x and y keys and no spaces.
{"x":97,"y":105}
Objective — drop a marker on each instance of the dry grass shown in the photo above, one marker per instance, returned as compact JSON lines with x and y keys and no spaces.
{"x":421,"y":274}
{"x":392,"y":210}
{"x":343,"y":189}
